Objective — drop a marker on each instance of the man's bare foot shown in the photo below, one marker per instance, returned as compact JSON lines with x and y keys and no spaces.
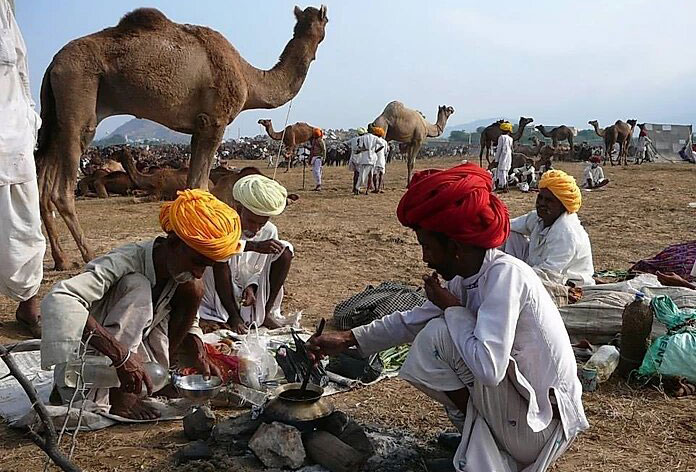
{"x":28,"y":316}
{"x":129,"y":405}
{"x":208,"y":326}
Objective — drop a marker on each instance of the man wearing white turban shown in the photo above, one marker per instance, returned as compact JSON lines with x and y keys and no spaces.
{"x":249,"y":287}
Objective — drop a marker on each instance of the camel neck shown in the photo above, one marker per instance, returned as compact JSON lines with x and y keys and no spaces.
{"x":273,"y":134}
{"x":275,"y":87}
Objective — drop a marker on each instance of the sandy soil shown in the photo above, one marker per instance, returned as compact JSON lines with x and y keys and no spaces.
{"x":344,"y":242}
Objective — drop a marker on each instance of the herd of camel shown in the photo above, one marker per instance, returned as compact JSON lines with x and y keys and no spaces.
{"x":190,"y":79}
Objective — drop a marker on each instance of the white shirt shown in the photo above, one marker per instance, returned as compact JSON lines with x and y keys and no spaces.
{"x":381,"y":162}
{"x":19,"y":123}
{"x":503,"y":152}
{"x":369,"y":141}
{"x":562,"y":249}
{"x":508,"y":323}
{"x":527,"y":172}
{"x":595,"y":175}
{"x":355,"y":144}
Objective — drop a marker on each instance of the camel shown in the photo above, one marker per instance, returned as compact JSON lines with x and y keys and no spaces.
{"x":560,"y":133}
{"x":161,"y":184}
{"x":620,"y":132}
{"x":527,"y":150}
{"x":410,"y":128}
{"x":492,"y":132}
{"x":185,"y":77}
{"x":103,"y":182}
{"x":294,"y":136}
{"x":224,"y":187}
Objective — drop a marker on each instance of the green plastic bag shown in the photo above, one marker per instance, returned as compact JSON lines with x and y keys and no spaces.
{"x":673,"y":354}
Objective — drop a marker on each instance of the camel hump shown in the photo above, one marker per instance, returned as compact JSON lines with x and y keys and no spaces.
{"x":143,"y":19}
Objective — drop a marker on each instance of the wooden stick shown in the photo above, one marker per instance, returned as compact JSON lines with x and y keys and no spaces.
{"x":49,"y":443}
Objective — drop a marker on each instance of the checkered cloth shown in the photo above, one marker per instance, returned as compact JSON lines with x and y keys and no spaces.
{"x":376,"y":302}
{"x":678,"y":258}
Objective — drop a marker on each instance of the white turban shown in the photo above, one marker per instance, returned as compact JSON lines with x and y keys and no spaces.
{"x":260,"y":195}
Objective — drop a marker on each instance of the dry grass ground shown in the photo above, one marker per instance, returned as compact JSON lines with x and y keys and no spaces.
{"x":344,"y":242}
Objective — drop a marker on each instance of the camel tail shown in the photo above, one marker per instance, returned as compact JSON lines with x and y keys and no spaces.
{"x":48,"y":115}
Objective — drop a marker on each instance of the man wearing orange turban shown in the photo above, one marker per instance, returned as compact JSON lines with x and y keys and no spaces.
{"x":381,"y":162}
{"x":551,"y":238}
{"x":139,"y":302}
{"x":317,"y":156}
{"x":489,"y":344}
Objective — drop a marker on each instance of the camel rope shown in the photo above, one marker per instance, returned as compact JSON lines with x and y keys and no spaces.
{"x":282,"y":137}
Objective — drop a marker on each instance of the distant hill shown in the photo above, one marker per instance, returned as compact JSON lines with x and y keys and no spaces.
{"x":471,"y":126}
{"x":140,"y":130}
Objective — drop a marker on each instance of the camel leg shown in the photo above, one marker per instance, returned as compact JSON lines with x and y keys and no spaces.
{"x":100,"y":188}
{"x":572,"y":151}
{"x":46,"y":177}
{"x":481,"y":157}
{"x":412,"y":153}
{"x":204,"y":142}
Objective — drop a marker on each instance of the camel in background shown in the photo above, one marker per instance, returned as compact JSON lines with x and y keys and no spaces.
{"x":185,"y":77}
{"x":557,"y":134}
{"x":294,"y":136}
{"x":409,"y":127}
{"x":620,"y":132}
{"x":490,"y":135}
{"x":103,"y":182}
{"x":526,"y":149}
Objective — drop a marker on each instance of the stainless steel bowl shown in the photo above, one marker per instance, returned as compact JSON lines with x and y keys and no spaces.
{"x":197,"y":388}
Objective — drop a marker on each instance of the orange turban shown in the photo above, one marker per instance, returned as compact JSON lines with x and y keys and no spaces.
{"x":317,"y":132}
{"x":204,"y":223}
{"x":457,"y":202}
{"x":377,"y":131}
{"x":564,"y":188}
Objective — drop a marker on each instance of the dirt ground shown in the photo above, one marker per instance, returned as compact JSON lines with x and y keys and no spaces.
{"x":344,"y":242}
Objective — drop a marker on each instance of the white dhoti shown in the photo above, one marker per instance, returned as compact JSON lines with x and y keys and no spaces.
{"x":255,"y":269}
{"x":317,"y":170}
{"x":495,"y":433}
{"x":501,"y":177}
{"x":364,"y":174}
{"x":126,"y":312}
{"x":21,"y":259}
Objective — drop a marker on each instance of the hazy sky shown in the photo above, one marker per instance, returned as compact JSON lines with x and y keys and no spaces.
{"x":559,"y":61}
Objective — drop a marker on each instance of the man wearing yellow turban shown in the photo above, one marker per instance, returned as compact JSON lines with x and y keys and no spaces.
{"x":249,"y":287}
{"x":551,"y":238}
{"x":503,"y":156}
{"x":139,"y":302}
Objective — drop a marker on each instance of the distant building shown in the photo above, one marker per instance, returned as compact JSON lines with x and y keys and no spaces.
{"x":669,"y":139}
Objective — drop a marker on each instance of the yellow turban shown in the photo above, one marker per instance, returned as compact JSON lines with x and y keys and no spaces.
{"x":378,"y":131}
{"x":506,"y":127}
{"x":260,"y":195}
{"x":563,"y":186}
{"x":204,"y":223}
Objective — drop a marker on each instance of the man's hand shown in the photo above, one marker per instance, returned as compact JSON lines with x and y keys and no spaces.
{"x":236,"y":324}
{"x":194,"y":345}
{"x":330,"y":344}
{"x":132,"y":376}
{"x":269,"y":246}
{"x":437,"y":294}
{"x":249,"y":296}
{"x":670,"y":279}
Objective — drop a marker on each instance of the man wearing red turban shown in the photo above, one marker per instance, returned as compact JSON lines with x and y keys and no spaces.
{"x":490,"y":344}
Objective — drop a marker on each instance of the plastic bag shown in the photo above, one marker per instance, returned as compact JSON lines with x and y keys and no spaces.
{"x":257,"y":364}
{"x":673,"y":354}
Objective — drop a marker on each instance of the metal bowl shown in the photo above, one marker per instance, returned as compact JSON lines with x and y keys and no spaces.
{"x":198,"y":388}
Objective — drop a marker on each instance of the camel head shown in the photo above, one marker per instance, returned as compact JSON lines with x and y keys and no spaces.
{"x":264,"y":122}
{"x":445,"y":111}
{"x":632,"y":123}
{"x":593,"y":123}
{"x":311,"y":23}
{"x":540,"y":128}
{"x":525,"y":121}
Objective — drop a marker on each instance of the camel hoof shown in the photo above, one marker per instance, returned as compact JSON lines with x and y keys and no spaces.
{"x":63,"y":266}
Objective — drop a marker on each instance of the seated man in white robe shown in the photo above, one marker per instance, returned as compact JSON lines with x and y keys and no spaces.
{"x":249,"y":287}
{"x":593,"y":175}
{"x":138,"y":303}
{"x":551,"y":238}
{"x":490,"y":345}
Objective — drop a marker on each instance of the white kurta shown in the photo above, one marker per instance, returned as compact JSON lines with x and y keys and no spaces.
{"x":503,"y":152}
{"x":381,"y":163}
{"x":507,"y":328}
{"x":247,"y":268}
{"x":595,"y":175}
{"x":563,"y":251}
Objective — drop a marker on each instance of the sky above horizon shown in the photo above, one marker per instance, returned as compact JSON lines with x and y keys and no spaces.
{"x":560,"y":62}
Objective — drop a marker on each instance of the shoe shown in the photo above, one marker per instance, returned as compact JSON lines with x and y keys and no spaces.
{"x":449,"y":441}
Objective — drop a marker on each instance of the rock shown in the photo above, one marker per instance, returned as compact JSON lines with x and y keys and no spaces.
{"x":199,"y":423}
{"x":233,"y":429}
{"x":347,"y":431}
{"x":193,"y":451}
{"x":278,"y":445}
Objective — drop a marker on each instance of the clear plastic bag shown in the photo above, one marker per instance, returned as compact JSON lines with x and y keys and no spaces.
{"x":257,"y":364}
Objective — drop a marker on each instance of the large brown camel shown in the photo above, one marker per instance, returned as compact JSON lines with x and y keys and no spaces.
{"x":492,"y":132}
{"x":529,"y":150}
{"x":103,"y":183}
{"x":557,"y":134}
{"x":161,"y":184}
{"x":295,"y":135}
{"x":620,"y":132}
{"x":409,"y":127}
{"x":223,"y":189}
{"x":185,"y":77}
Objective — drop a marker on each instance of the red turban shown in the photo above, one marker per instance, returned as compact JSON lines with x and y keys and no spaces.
{"x":457,"y":202}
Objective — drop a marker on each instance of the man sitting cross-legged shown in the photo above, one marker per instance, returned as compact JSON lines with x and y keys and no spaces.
{"x":139,"y":302}
{"x":490,"y":345}
{"x":249,"y":287}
